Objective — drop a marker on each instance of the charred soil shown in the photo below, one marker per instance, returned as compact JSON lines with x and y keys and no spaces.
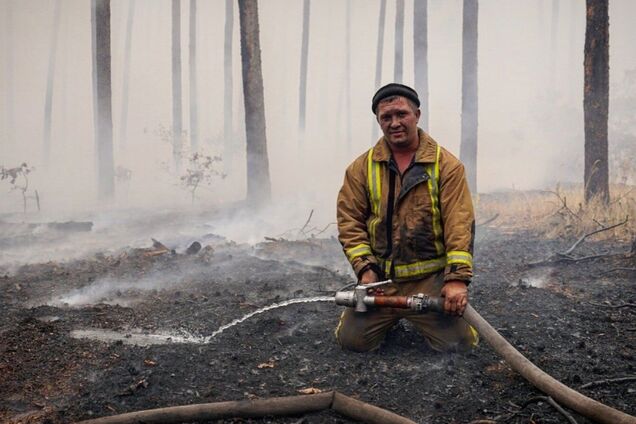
{"x":121,"y":332}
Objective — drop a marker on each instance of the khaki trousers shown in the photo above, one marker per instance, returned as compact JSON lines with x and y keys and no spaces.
{"x":364,"y":331}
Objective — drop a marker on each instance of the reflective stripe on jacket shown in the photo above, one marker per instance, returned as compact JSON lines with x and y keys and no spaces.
{"x":410,"y":226}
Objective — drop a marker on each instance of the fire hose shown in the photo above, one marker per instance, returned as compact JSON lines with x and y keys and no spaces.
{"x":360,"y":299}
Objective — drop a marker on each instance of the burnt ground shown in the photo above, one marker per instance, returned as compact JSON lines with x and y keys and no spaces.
{"x":574,"y":320}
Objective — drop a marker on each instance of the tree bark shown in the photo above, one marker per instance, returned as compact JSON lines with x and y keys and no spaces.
{"x":468,"y":146}
{"x":554,"y":32}
{"x":420,"y":57}
{"x":9,"y":93}
{"x":378,"y":62}
{"x":596,"y":100}
{"x":228,"y":95}
{"x":258,"y":182}
{"x":348,"y":132}
{"x":194,"y":130}
{"x":48,"y":102}
{"x":302,"y":95}
{"x":102,"y":98}
{"x":177,"y":123}
{"x":123,"y":123}
{"x":399,"y":41}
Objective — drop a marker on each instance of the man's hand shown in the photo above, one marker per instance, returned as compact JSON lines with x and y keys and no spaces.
{"x":455,"y":294}
{"x":369,"y":276}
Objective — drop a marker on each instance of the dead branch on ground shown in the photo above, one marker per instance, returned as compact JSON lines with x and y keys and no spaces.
{"x":488,"y":221}
{"x":585,"y":236}
{"x":566,"y":256}
{"x":302,"y":230}
{"x":609,"y":305}
{"x":608,"y":381}
{"x":553,"y":403}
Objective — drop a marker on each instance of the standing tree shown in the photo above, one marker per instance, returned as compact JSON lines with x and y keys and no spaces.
{"x":302,"y":96}
{"x":596,"y":100}
{"x":554,"y":32}
{"x":399,"y":41}
{"x":194,"y":131}
{"x":258,"y":182}
{"x":102,"y":111}
{"x":348,"y":76}
{"x":9,"y":90}
{"x":420,"y":57}
{"x":177,"y":125}
{"x":229,"y":84}
{"x":123,"y":129}
{"x":468,"y":146}
{"x":378,"y":61}
{"x":48,"y":102}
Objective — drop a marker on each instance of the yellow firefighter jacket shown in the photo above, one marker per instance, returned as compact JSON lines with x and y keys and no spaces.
{"x":412,"y":225}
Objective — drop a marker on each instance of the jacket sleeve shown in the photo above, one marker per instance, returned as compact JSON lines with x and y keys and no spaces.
{"x":458,"y":220}
{"x":353,"y":209}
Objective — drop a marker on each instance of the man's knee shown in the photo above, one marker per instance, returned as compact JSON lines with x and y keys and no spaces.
{"x":353,"y":341}
{"x":463,"y":342}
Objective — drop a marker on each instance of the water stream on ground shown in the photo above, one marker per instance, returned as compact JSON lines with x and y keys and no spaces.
{"x":268,"y":308}
{"x":139,"y":338}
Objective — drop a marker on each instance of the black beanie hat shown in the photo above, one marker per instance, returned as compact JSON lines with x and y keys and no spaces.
{"x":394,"y":89}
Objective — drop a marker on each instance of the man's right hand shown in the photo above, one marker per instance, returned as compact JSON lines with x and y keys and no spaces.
{"x":369,"y":276}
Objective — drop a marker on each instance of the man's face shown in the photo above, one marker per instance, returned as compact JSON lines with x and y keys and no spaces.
{"x":399,"y":121}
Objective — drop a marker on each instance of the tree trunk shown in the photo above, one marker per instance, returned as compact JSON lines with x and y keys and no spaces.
{"x":177,"y":123}
{"x":228,"y":87}
{"x":468,"y":147}
{"x":348,"y":133}
{"x":123,"y":125}
{"x":554,"y":32}
{"x":302,"y":96}
{"x":378,"y":62}
{"x":48,"y":102}
{"x":194,"y":131}
{"x":420,"y":57}
{"x":399,"y":41}
{"x":258,"y":182}
{"x":9,"y":75}
{"x":102,"y":98}
{"x":596,"y":100}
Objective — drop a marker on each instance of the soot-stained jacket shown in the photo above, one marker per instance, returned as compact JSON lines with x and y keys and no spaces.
{"x":412,"y":225}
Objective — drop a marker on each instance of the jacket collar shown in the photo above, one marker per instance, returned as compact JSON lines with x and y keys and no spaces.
{"x":425,"y":152}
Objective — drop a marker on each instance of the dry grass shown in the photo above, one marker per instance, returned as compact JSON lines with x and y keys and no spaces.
{"x":561,"y":212}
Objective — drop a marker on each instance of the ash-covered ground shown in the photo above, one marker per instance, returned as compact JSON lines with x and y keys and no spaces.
{"x":126,"y":328}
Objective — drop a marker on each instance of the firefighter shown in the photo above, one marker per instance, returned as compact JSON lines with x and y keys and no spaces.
{"x":405,"y":213}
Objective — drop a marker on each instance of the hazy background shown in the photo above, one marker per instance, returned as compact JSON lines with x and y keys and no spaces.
{"x":530,"y":95}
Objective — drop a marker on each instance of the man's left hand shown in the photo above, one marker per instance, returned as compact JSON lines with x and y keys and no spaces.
{"x":455,"y":295}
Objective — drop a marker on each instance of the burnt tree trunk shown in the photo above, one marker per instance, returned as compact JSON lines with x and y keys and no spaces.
{"x":468,"y":146}
{"x":228,"y":97}
{"x":177,"y":122}
{"x":9,"y":67}
{"x":596,"y":100}
{"x":554,"y":33}
{"x":258,"y":182}
{"x":378,"y":62}
{"x":194,"y":130}
{"x":348,"y":133}
{"x":399,"y":41}
{"x":420,"y":57}
{"x":102,"y":98}
{"x":123,"y":125}
{"x":302,"y":95}
{"x":48,"y":102}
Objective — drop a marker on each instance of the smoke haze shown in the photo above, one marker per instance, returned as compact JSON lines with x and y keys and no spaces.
{"x":530,"y":96}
